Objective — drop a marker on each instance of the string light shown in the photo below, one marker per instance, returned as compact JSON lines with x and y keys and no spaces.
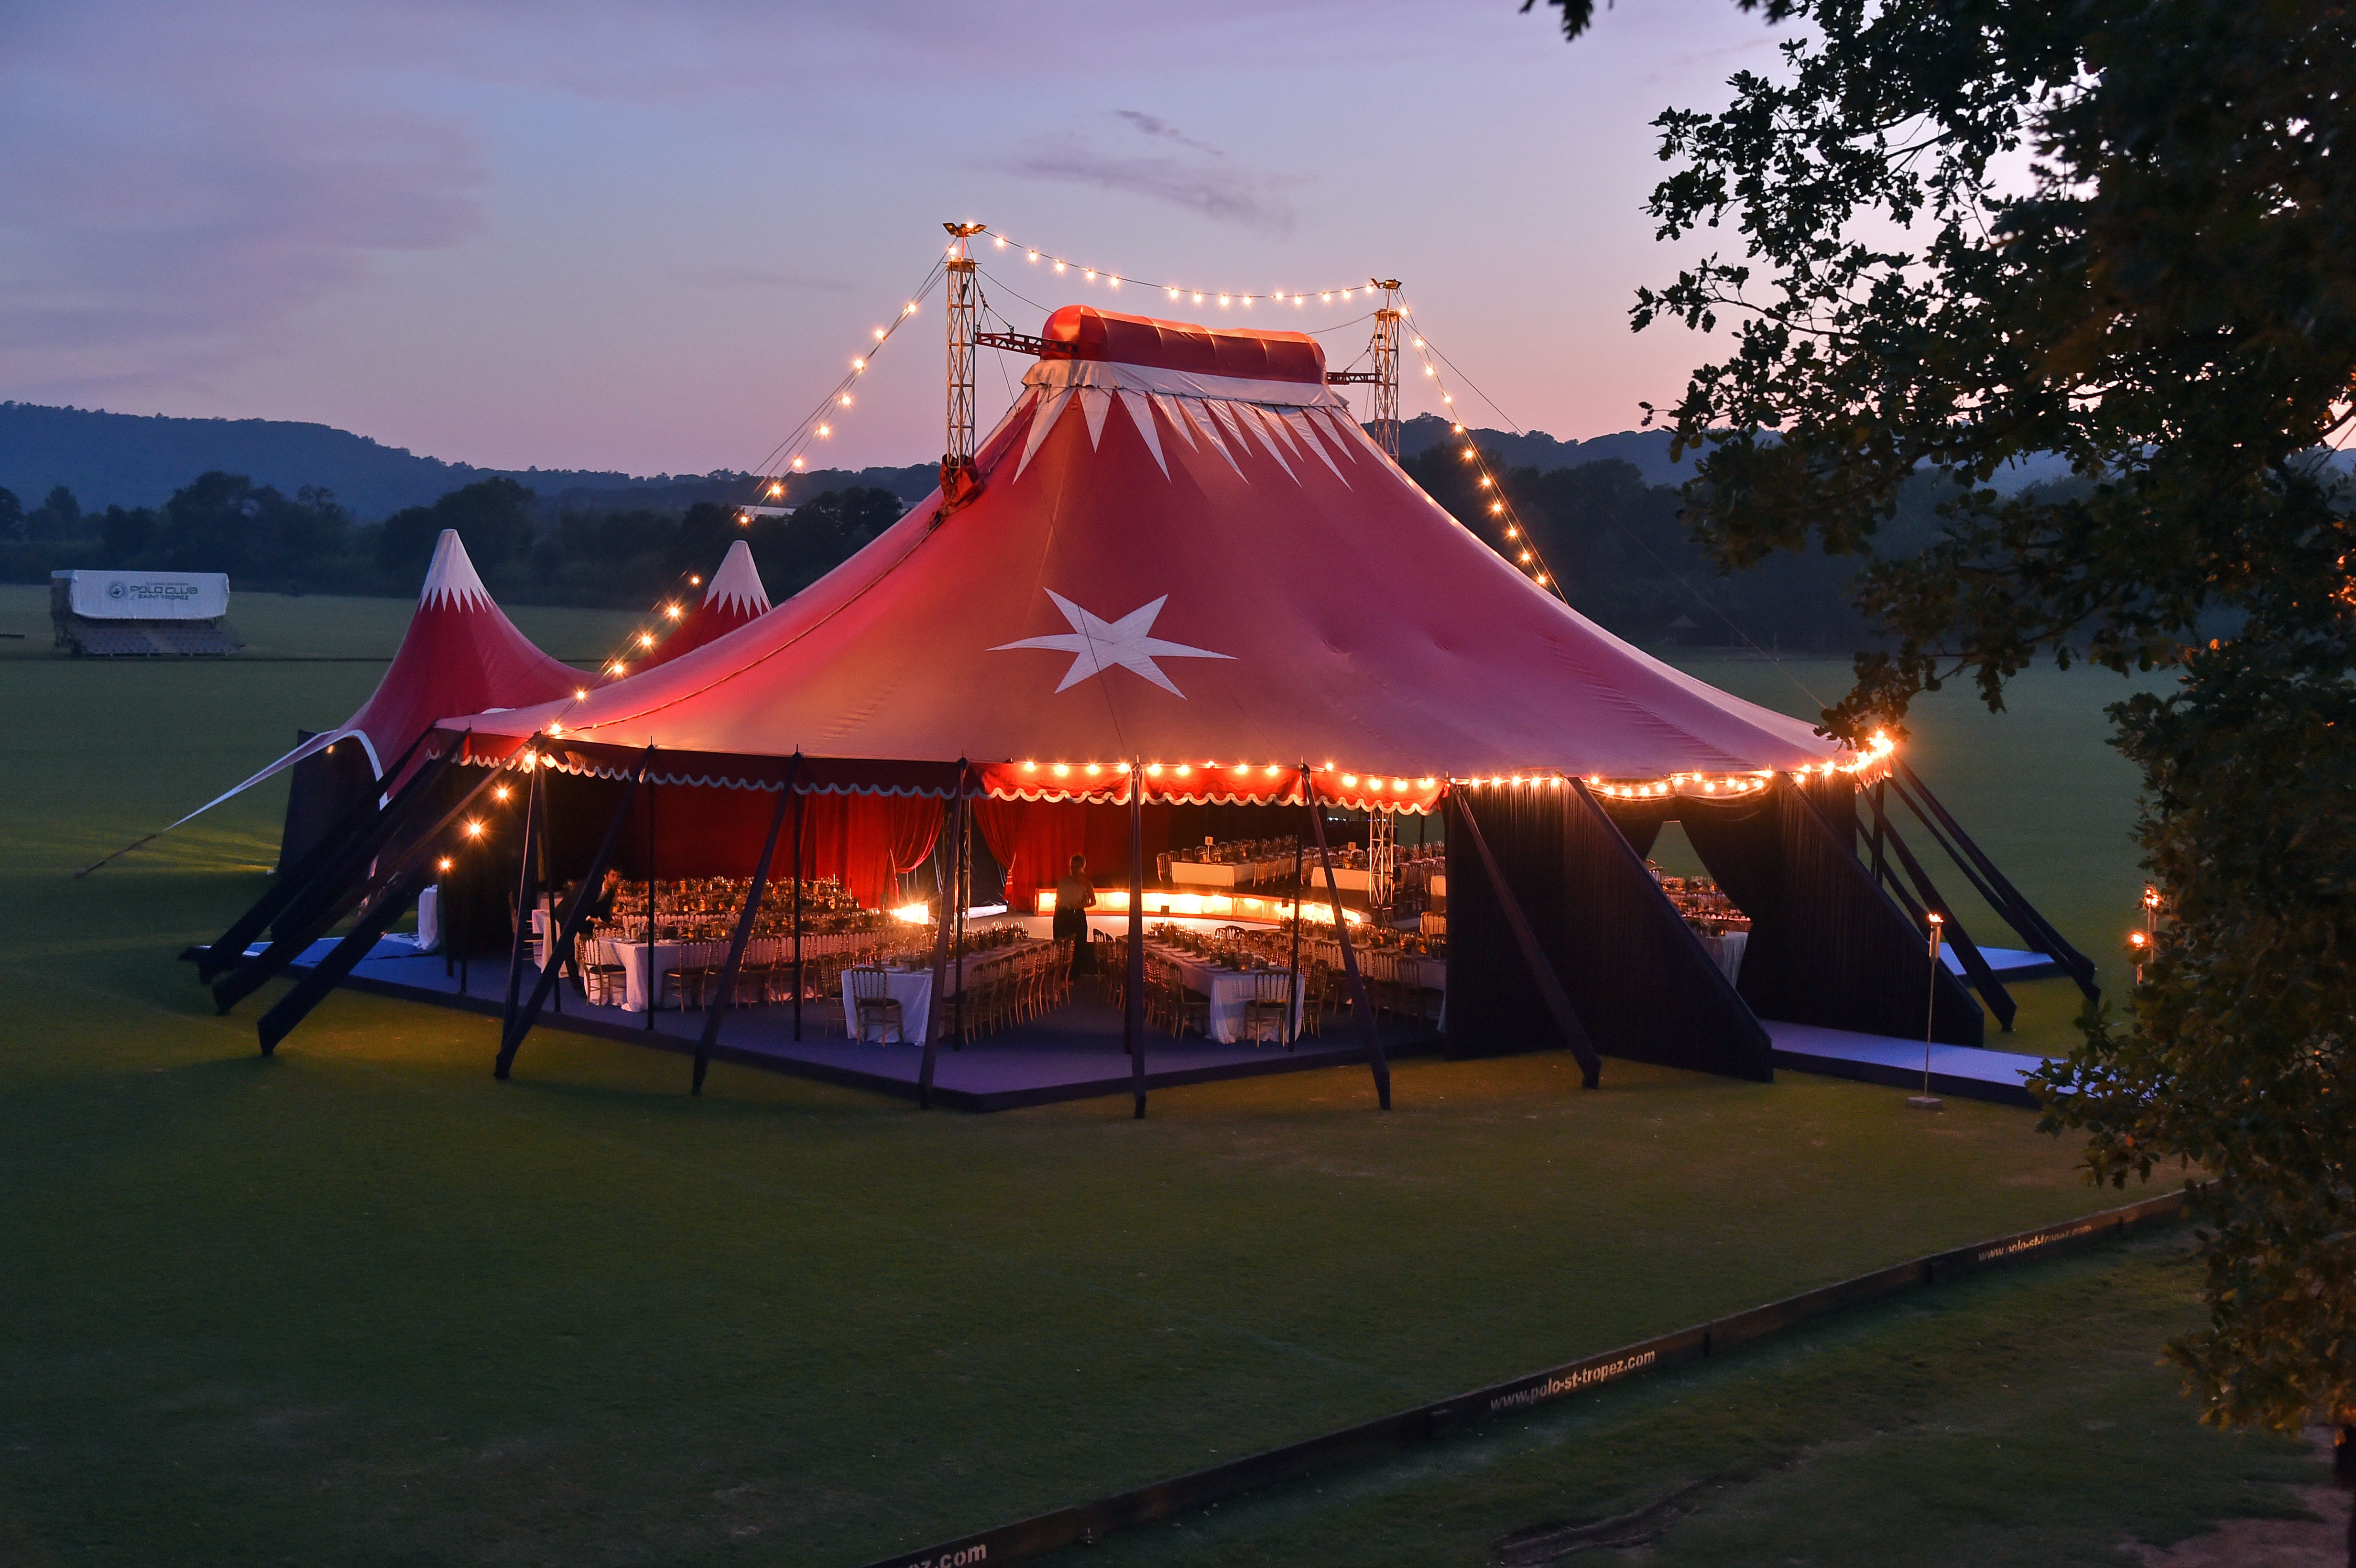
{"x":1113,"y":281}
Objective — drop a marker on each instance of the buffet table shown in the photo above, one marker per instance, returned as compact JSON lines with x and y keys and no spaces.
{"x":1726,"y":952}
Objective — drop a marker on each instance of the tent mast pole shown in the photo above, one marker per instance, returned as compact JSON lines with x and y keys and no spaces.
{"x":654,"y":976}
{"x":940,"y":954}
{"x":1374,"y":1058}
{"x":720,"y":1004}
{"x":799,"y":803}
{"x":575,"y":918}
{"x":1292,"y":1017}
{"x":1132,"y":1023}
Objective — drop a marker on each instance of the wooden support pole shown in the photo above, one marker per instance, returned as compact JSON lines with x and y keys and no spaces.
{"x":726,"y":996}
{"x":1374,"y":1058}
{"x":1558,"y":1000}
{"x":575,"y":918}
{"x":940,"y":955}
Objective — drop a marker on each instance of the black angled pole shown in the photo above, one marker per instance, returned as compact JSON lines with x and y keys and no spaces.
{"x":940,"y":957}
{"x":527,"y":895}
{"x":801,"y":807}
{"x":720,"y":1004}
{"x":575,"y":918}
{"x":1374,"y":1058}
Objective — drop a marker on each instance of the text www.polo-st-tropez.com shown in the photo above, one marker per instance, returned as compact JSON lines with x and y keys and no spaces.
{"x":1570,"y":1382}
{"x":957,"y":1557}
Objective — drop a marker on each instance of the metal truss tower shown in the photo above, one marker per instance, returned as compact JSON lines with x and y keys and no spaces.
{"x":1385,"y":350}
{"x":958,"y":480}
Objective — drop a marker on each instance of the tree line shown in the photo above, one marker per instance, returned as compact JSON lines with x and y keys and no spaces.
{"x":525,"y":551}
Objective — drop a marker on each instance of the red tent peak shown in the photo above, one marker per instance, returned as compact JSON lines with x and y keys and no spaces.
{"x":736,"y":586}
{"x":452,"y":582}
{"x":1084,"y":331}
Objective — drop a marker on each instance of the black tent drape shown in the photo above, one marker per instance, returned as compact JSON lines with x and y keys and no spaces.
{"x":1644,"y":989}
{"x":321,"y":791}
{"x":1827,"y":946}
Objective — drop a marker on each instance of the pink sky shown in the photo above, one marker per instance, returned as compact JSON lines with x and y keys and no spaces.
{"x":650,"y":238}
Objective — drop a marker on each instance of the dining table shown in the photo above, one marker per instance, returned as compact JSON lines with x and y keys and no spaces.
{"x":1230,"y":990}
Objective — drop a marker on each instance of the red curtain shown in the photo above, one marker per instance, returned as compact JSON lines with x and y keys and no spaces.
{"x":1035,"y":840}
{"x":865,"y":840}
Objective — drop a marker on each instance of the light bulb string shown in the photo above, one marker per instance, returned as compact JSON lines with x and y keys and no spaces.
{"x":1298,"y":298}
{"x":1430,"y":351}
{"x":818,"y":424}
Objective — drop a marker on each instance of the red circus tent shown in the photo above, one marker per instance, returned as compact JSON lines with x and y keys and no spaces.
{"x":733,"y":597}
{"x":1187,"y":551}
{"x":460,"y":654}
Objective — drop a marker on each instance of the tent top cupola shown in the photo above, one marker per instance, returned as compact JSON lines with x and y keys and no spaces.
{"x":1084,"y":331}
{"x":451,"y":581}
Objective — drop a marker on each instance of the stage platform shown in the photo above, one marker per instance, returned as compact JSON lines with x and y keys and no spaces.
{"x":1964,"y":1072}
{"x":2007,"y":963}
{"x":1072,"y":1053}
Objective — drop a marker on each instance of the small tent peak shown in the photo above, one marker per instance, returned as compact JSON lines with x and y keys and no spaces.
{"x":452,"y":580}
{"x":737,"y":584}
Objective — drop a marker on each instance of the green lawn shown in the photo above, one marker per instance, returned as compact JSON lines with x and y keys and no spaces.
{"x":362,"y":1303}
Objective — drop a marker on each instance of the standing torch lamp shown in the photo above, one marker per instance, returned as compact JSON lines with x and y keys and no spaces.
{"x":2139,"y":949}
{"x":1926,"y":1101}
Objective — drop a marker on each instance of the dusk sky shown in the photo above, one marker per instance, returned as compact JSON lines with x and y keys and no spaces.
{"x":650,"y":236}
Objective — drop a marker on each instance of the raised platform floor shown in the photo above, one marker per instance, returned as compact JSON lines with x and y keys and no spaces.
{"x":1071,"y":1054}
{"x":1074,"y":1053}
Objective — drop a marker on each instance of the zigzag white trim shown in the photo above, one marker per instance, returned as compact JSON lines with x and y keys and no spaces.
{"x":1141,"y":414}
{"x":451,"y":581}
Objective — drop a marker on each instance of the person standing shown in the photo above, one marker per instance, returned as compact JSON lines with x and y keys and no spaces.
{"x":1075,"y":896}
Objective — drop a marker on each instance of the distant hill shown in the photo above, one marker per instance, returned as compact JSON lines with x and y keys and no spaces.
{"x":135,"y":460}
{"x":1647,"y":451}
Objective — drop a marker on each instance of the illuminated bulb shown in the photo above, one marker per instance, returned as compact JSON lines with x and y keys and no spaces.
{"x":1456,"y":429}
{"x":909,"y":309}
{"x":500,"y":793}
{"x":1542,"y":577}
{"x":1089,"y":275}
{"x":859,"y":364}
{"x":797,"y":463}
{"x":1485,"y":482}
{"x":474,"y":830}
{"x":445,"y":863}
{"x":1272,"y":769}
{"x":822,"y":430}
{"x":1153,"y":770}
{"x":1062,"y":770}
{"x":1446,"y":398}
{"x":846,"y":400}
{"x":1034,"y":255}
{"x":695,"y":582}
{"x":1470,"y":454}
{"x":1418,"y":342}
{"x":1059,"y":266}
{"x":1525,"y":557}
{"x":1496,"y":506}
{"x":646,"y":639}
{"x":1222,"y":302}
{"x":1094,"y":770}
{"x":776,"y":491}
{"x":1327,"y":297}
{"x":1002,"y":242}
{"x":1112,"y":281}
{"x":1183,"y":770}
{"x":671,"y":611}
{"x":1426,"y":783}
{"x":617,"y":666}
{"x":1030,"y":767}
{"x":1430,"y":372}
{"x":879,"y":335}
{"x":1173,"y":293}
{"x":1513,"y":533}
{"x":1198,"y":299}
{"x":1349,"y":781}
{"x":580,"y":694}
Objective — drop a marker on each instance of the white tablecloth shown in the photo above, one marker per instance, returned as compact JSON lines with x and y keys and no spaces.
{"x":1349,"y":879}
{"x":1227,"y":989}
{"x":1728,"y":952}
{"x":429,"y":921}
{"x":912,"y":988}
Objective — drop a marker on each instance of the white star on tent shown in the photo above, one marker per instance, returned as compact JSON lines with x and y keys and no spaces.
{"x":1096,"y":646}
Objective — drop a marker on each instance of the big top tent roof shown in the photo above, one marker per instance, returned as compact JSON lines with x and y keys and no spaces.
{"x":1184,"y":551}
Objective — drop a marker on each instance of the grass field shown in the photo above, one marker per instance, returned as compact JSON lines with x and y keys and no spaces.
{"x":362,"y":1303}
